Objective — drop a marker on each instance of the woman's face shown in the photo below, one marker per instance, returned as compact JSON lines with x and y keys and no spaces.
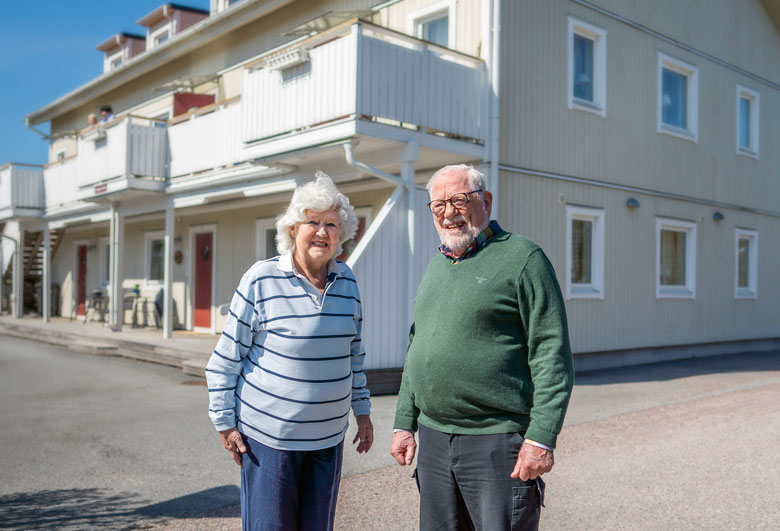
{"x":317,"y":238}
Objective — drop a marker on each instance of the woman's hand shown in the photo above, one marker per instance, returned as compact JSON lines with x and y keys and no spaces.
{"x":365,"y":433}
{"x":233,"y":443}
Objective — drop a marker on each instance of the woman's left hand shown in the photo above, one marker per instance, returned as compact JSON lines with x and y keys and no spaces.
{"x":365,"y":433}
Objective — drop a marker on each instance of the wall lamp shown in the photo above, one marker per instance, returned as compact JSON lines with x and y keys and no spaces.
{"x":632,"y":203}
{"x":717,"y":216}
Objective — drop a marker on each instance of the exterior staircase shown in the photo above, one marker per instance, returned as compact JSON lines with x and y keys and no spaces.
{"x":32,"y":266}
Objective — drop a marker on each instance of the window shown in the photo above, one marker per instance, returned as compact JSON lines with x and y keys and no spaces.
{"x":584,"y":253}
{"x":746,"y":265}
{"x":678,"y":89}
{"x":587,"y":67}
{"x":154,"y":257}
{"x":116,"y":63}
{"x":161,"y":38}
{"x":675,"y":259}
{"x":104,"y":251}
{"x":747,"y":122}
{"x":62,"y":153}
{"x":265,"y":238}
{"x":434,"y":23}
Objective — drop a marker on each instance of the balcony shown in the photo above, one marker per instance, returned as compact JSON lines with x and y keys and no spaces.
{"x":59,"y":184}
{"x":127,"y":155}
{"x":364,"y":72}
{"x":21,"y":191}
{"x":206,"y":139}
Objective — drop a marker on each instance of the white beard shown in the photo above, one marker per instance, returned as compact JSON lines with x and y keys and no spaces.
{"x":457,"y":242}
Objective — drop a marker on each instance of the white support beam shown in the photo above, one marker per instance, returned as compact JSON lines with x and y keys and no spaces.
{"x":407,"y":175}
{"x":46,"y":275}
{"x":18,"y":280}
{"x":167,"y":316}
{"x":116,"y":242}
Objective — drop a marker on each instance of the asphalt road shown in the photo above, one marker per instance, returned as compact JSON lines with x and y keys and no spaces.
{"x":109,"y":443}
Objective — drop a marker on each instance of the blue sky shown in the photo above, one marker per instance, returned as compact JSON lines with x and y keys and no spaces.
{"x":48,"y":49}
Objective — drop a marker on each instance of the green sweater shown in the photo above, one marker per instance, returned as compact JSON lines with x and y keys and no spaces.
{"x":489,"y":348}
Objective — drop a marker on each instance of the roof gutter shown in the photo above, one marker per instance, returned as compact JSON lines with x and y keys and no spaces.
{"x":190,"y":39}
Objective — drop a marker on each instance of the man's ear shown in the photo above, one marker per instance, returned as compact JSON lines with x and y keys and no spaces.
{"x":488,"y":199}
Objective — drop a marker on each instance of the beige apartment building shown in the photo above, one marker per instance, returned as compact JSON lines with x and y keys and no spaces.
{"x":633,"y":140}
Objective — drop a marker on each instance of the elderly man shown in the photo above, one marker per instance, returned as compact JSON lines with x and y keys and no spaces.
{"x":488,"y":373}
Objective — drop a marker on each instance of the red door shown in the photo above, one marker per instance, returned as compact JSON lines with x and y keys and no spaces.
{"x":81,"y":280}
{"x":204,"y":246}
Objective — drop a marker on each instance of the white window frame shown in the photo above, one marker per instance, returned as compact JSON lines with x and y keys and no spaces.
{"x":692,"y":104}
{"x":688,"y":290}
{"x":751,"y":291}
{"x":754,"y":98}
{"x":61,"y":154}
{"x":153,"y":36}
{"x":599,"y":37}
{"x":416,"y":19}
{"x":148,"y":237}
{"x":594,"y":290}
{"x":103,"y":261}
{"x":261,"y":225}
{"x":107,"y":65}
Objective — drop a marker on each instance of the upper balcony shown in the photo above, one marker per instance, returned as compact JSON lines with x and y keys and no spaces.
{"x":126,"y":155}
{"x":359,"y":71}
{"x":21,"y":191}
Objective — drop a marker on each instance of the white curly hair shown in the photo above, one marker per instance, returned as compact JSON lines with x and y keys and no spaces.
{"x":318,"y":195}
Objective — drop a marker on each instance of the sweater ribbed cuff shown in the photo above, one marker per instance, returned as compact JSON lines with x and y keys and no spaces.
{"x":403,"y":422}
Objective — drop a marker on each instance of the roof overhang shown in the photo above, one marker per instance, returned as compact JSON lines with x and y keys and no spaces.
{"x":165,"y":11}
{"x":192,"y":38}
{"x":115,"y":41}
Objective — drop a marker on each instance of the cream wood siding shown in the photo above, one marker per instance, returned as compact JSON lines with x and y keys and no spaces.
{"x":67,"y":143}
{"x":630,"y":316}
{"x":538,"y":131}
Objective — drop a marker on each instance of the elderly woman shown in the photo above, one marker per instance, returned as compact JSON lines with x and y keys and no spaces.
{"x":288,"y":368}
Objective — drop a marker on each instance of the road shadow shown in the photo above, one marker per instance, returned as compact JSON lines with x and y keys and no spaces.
{"x":671,"y":370}
{"x":104,"y":509}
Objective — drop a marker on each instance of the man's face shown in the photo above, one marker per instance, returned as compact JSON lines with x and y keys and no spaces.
{"x":456,"y":227}
{"x":103,"y":114}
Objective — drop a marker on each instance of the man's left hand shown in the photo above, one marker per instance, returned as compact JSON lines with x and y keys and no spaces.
{"x":532,"y":462}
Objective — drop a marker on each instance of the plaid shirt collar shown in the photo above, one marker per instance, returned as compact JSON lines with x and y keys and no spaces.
{"x":476,"y":244}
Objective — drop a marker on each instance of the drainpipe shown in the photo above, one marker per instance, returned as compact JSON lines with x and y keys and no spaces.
{"x":495,"y":90}
{"x":15,"y":307}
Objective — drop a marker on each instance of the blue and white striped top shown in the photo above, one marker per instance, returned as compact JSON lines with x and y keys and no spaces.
{"x":289,"y":363}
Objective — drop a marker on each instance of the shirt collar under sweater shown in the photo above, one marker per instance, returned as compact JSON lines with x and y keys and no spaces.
{"x":476,"y":244}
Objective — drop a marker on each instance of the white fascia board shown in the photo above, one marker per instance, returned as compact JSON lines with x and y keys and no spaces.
{"x":185,"y":42}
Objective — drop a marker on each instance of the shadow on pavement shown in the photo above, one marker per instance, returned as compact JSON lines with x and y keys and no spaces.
{"x":104,"y":509}
{"x":670,"y":370}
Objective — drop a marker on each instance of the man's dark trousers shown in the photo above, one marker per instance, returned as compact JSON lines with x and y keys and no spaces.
{"x":465,"y":485}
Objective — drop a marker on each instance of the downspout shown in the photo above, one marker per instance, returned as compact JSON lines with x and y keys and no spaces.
{"x":495,"y":86}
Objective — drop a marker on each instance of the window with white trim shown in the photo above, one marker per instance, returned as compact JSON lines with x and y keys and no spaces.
{"x":587,"y":67}
{"x":747,"y":121}
{"x":154,"y":257}
{"x":746,"y":264}
{"x":584,"y":253}
{"x":675,"y":259}
{"x":265,"y":238}
{"x":678,"y":98}
{"x":104,"y":253}
{"x":61,"y":154}
{"x":435,"y":23}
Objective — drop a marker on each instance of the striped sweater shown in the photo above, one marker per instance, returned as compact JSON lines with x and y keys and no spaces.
{"x":288,"y":365}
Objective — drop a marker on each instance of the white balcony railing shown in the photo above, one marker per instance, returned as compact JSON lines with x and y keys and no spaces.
{"x":365,"y":71}
{"x":206,"y":139}
{"x":21,"y":190}
{"x":60,"y":183}
{"x":129,"y":146}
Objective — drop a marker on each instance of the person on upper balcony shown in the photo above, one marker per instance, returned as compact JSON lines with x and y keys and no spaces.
{"x":106,"y":114}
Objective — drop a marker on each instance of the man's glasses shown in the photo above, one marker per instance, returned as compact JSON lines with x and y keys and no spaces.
{"x":459,"y":201}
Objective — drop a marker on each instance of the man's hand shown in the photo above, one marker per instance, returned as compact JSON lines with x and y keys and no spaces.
{"x":403,"y":447}
{"x":532,"y":462}
{"x":233,"y":443}
{"x":365,"y":433}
